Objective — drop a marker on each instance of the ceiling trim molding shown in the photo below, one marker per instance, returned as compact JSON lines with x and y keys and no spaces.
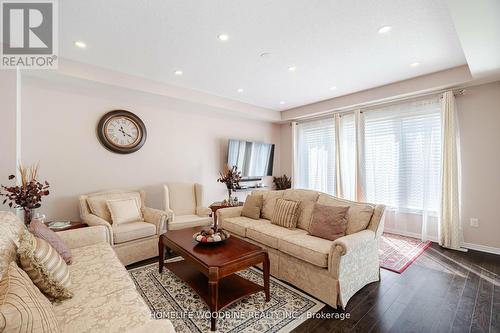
{"x":440,"y":80}
{"x":93,"y":73}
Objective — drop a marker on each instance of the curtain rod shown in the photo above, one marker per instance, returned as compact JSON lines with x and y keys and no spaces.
{"x":368,"y":105}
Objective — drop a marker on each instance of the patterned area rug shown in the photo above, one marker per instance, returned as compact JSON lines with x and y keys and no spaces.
{"x":396,"y":252}
{"x":169,"y":297}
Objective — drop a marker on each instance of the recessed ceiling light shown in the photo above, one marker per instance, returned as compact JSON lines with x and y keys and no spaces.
{"x":240,"y":90}
{"x":265,"y":54}
{"x":223,"y":37}
{"x":415,"y":64}
{"x":333,"y":88}
{"x":80,"y":44}
{"x":384,"y":29}
{"x":292,"y":68}
{"x":282,"y":102}
{"x":178,"y":72}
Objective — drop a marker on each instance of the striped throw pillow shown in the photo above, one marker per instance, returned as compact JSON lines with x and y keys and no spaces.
{"x":285,"y":213}
{"x":23,"y":308}
{"x":45,"y":267}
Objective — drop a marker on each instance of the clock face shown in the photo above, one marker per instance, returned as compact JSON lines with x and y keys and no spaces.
{"x":121,"y":132}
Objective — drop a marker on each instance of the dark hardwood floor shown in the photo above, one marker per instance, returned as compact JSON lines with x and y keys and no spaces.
{"x":442,"y":291}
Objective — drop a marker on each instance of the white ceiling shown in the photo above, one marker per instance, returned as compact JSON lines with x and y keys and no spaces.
{"x":331,"y":43}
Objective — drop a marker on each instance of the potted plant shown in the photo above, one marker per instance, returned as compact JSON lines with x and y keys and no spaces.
{"x":283,"y":182}
{"x":28,"y":194}
{"x":231,"y":177}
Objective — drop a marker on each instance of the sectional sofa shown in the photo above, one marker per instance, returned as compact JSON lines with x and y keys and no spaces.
{"x":332,"y":271}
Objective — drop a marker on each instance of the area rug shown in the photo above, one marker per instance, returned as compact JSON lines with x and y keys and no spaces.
{"x":396,"y":253}
{"x":169,"y":297}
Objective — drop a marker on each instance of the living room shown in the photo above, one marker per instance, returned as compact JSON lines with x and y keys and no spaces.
{"x":364,"y":136}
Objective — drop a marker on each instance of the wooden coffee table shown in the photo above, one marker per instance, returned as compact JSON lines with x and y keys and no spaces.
{"x":209,"y":269}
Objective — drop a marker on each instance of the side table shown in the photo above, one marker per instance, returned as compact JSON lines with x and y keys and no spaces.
{"x":219,"y":205}
{"x":72,"y":225}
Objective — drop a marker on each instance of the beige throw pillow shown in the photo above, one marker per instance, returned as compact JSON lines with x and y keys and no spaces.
{"x":269,"y":202}
{"x":285,"y":213}
{"x":98,"y":203}
{"x":23,"y":308}
{"x":124,"y":211}
{"x":252,"y":206}
{"x":45,"y":267}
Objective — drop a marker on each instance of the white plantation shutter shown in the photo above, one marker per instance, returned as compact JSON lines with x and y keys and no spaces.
{"x":402,"y":155}
{"x":315,"y":156}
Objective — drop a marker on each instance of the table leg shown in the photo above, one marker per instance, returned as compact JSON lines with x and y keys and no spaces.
{"x":213,"y":285}
{"x":265,"y":265}
{"x":161,"y":255}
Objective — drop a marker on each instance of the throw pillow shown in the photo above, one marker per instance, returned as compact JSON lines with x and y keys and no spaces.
{"x":124,"y":211}
{"x":40,"y":230}
{"x":23,"y":308}
{"x":45,"y":267}
{"x":328,"y":222}
{"x":285,"y":213}
{"x":252,"y":206}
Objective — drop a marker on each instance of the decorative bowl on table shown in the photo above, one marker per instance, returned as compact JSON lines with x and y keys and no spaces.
{"x":211,"y":236}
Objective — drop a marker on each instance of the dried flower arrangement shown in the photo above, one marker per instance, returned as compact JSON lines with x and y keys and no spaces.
{"x":28,"y":195}
{"x":231,"y":177}
{"x":283,"y":182}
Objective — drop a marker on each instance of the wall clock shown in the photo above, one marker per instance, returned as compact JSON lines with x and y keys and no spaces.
{"x":121,"y":132}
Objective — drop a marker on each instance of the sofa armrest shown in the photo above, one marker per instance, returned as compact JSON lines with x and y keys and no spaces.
{"x":94,"y":220}
{"x":225,"y":213}
{"x":203,"y":211}
{"x":156,"y":217}
{"x":354,"y":241}
{"x":84,"y":236}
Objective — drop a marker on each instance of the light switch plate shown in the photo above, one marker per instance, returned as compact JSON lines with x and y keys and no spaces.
{"x":474,"y":222}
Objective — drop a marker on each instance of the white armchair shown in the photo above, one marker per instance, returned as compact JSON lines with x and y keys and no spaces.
{"x":184,"y":204}
{"x":132,"y":241}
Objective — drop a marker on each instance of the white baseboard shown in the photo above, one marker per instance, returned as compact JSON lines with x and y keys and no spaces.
{"x":470,"y":246}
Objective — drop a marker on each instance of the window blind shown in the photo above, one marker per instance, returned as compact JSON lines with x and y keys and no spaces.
{"x":315,"y":151}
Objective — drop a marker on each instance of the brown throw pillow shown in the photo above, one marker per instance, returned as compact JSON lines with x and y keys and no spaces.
{"x":45,"y":267}
{"x":23,"y":308}
{"x":252,"y":206}
{"x":285,"y":213}
{"x":40,"y":230}
{"x":328,"y":222}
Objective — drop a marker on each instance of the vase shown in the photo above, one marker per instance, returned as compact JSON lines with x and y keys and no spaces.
{"x":28,"y":216}
{"x":229,"y":196}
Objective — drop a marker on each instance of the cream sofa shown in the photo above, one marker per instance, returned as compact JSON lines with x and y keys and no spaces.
{"x":332,"y":271}
{"x":133,"y":241}
{"x":105,"y":298}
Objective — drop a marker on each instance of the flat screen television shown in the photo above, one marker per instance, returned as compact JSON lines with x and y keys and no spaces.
{"x":253,"y":159}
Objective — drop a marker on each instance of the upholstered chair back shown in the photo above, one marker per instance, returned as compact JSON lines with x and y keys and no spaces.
{"x":183,"y":198}
{"x":95,"y":203}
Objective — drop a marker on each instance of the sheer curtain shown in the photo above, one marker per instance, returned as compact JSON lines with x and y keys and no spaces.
{"x":402,"y":162}
{"x":315,"y":156}
{"x":348,"y":155}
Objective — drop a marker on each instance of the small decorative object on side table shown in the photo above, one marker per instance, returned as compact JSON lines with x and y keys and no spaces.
{"x":231,"y":177}
{"x":218,"y":205}
{"x":57,"y":226}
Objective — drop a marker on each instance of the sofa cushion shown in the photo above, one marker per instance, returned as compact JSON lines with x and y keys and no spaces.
{"x":189,"y":221}
{"x":10,"y":231}
{"x":23,"y":308}
{"x":358,"y":216}
{"x":252,"y":206}
{"x":40,"y":230}
{"x":307,"y":199}
{"x":126,"y":232}
{"x":124,"y":210}
{"x":269,"y":234}
{"x":285,"y":213}
{"x":309,"y":248}
{"x":238,"y":225}
{"x":44,"y":266}
{"x":98,"y":202}
{"x":328,"y":222}
{"x":268,"y":202}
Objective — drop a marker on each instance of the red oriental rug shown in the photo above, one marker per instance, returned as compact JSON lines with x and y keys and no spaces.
{"x":396,"y":252}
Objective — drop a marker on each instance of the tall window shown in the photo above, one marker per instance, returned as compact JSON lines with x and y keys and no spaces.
{"x":402,"y":160}
{"x":315,"y":156}
{"x":399,"y":155}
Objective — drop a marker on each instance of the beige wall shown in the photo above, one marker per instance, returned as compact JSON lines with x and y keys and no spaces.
{"x":479,"y":116}
{"x":186,"y":141}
